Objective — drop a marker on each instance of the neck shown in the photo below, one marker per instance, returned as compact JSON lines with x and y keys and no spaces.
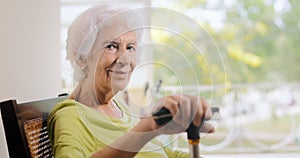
{"x":85,"y":93}
{"x":104,"y":96}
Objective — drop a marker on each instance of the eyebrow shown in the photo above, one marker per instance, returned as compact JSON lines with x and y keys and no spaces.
{"x":135,"y":43}
{"x":116,"y":42}
{"x":112,"y":41}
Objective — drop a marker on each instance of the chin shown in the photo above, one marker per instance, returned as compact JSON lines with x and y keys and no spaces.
{"x":119,"y":86}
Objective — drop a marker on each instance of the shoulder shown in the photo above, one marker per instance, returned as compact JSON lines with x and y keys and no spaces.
{"x":68,"y":103}
{"x":66,"y":106}
{"x":64,"y":112}
{"x":67,"y":132}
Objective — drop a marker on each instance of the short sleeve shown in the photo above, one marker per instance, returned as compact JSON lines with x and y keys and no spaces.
{"x":70,"y":138}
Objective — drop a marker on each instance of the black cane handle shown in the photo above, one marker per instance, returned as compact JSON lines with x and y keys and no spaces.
{"x":162,"y":116}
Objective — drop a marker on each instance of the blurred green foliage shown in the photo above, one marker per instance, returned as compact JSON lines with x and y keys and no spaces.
{"x":258,"y":41}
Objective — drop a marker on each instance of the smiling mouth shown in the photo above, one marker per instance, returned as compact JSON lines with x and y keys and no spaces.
{"x":117,"y":72}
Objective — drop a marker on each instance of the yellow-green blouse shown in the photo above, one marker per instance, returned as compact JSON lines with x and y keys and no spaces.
{"x":77,"y":131}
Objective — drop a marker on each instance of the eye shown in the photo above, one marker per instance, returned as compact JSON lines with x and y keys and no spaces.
{"x":111,"y":46}
{"x":130,"y":48}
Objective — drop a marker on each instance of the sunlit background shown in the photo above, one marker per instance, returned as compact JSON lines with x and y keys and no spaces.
{"x":242,"y":56}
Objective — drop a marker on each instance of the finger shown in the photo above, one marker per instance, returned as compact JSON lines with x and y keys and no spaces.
{"x":207,"y":128}
{"x":199,"y":115}
{"x":208,"y":113}
{"x":176,"y":97}
{"x":180,"y":100}
{"x":185,"y":111}
{"x":197,"y":109}
{"x":171,"y":105}
{"x":183,"y":117}
{"x":203,"y":111}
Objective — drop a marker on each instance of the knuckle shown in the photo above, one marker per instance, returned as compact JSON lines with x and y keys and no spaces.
{"x":185,"y":101}
{"x":200,"y":112}
{"x":203,"y":102}
{"x":173,"y":104}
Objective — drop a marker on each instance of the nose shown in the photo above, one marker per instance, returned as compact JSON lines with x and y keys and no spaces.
{"x":124,"y":57}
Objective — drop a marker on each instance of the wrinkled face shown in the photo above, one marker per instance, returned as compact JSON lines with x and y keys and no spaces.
{"x":116,"y":62}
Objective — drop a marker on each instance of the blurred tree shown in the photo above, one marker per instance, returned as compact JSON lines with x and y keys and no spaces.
{"x":259,"y":41}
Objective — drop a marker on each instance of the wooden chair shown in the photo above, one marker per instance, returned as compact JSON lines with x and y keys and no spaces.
{"x":25,"y":127}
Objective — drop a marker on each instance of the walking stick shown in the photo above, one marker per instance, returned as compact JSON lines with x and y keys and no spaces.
{"x":163,"y":116}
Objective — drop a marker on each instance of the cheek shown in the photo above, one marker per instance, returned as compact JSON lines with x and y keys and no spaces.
{"x":104,"y":61}
{"x":100,"y":69}
{"x":134,"y":60}
{"x":133,"y":64}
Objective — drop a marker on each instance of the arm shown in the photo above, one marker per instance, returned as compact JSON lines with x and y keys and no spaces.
{"x":184,"y":109}
{"x":140,"y":134}
{"x":70,"y":138}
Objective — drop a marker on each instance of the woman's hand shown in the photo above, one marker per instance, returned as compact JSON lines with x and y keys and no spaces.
{"x":185,"y":109}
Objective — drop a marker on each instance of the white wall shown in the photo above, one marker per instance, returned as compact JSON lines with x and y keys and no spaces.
{"x":29,"y":51}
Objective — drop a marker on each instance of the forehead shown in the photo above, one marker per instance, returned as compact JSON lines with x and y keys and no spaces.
{"x":112,"y":35}
{"x":126,"y":37}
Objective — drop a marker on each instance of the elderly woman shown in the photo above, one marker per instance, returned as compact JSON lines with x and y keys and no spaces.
{"x":102,"y":46}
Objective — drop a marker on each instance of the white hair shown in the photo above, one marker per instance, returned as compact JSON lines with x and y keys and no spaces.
{"x":86,"y":28}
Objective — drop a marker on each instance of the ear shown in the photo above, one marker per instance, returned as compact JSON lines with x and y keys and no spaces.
{"x":82,"y":63}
